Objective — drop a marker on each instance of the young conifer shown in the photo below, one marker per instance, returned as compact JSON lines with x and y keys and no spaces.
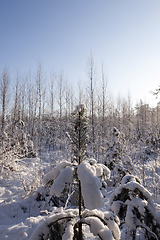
{"x":132,"y":203}
{"x":79,"y":133}
{"x":88,"y":176}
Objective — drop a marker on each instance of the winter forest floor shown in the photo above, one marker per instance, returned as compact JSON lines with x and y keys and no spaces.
{"x":21,"y":207}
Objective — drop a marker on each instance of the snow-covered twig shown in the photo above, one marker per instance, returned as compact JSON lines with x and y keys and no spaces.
{"x":69,"y":195}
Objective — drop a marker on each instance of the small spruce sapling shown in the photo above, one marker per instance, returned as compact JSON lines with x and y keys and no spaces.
{"x":21,"y":143}
{"x":133,"y":205}
{"x":88,"y":175}
{"x":119,"y":163}
{"x":151,"y":142}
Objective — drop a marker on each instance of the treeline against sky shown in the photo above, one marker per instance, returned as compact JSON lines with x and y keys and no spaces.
{"x":45,"y":105}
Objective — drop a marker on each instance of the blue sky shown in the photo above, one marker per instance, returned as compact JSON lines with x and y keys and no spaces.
{"x":123,"y":34}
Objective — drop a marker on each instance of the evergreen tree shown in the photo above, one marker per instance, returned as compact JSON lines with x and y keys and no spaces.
{"x":89,"y":176}
{"x":116,"y":160}
{"x":79,"y":133}
{"x":133,"y":205}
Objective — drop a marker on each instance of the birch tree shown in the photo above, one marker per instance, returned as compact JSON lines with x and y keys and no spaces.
{"x":4,"y":97}
{"x":61,"y":101}
{"x":91,"y":88}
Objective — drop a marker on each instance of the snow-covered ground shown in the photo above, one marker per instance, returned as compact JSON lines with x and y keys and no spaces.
{"x":21,"y":213}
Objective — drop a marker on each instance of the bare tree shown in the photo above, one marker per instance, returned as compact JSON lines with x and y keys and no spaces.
{"x":60,"y":99}
{"x":40,"y":86}
{"x":39,"y":81}
{"x":31,"y":103}
{"x":142,"y":115}
{"x":23,"y":99}
{"x":16,"y":99}
{"x":4,"y":87}
{"x":104,"y":104}
{"x":91,"y":74}
{"x":118,"y":111}
{"x":52,"y":92}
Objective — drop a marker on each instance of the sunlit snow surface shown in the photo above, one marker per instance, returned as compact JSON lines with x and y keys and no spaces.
{"x":21,"y":213}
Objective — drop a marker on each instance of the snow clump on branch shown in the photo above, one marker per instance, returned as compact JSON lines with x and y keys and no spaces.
{"x":79,"y":108}
{"x":59,"y":184}
{"x":52,"y":175}
{"x":90,"y":185}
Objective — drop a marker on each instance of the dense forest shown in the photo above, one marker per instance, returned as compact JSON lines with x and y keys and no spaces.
{"x":45,"y":106}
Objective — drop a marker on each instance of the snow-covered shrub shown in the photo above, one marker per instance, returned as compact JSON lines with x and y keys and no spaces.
{"x":49,"y":130}
{"x":92,"y":175}
{"x":105,"y":225}
{"x":88,"y":177}
{"x":6,"y":153}
{"x":21,"y":142}
{"x":151,"y":142}
{"x":133,"y":205}
{"x":155,"y":185}
{"x":115,"y":147}
{"x":119,"y":163}
{"x":15,"y":144}
{"x":146,"y":148}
